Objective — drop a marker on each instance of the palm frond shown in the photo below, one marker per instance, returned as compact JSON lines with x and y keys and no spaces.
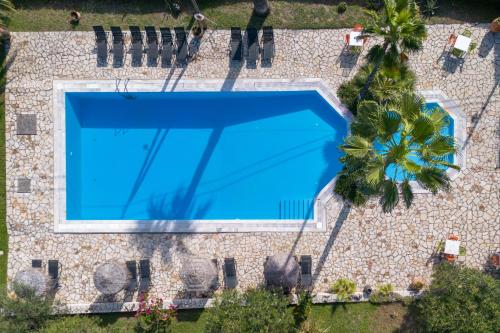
{"x":389,"y":124}
{"x":357,"y":146}
{"x":410,"y":106}
{"x":433,"y":179}
{"x":407,"y":193}
{"x":439,"y":145}
{"x":390,"y":196}
{"x":375,"y":171}
{"x":422,"y":130}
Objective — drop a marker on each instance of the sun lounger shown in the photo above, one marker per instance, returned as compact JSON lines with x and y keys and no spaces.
{"x":101,"y":43}
{"x":137,"y":45}
{"x":145,"y":274}
{"x":132,"y":269}
{"x":268,"y":44}
{"x":152,"y":43}
{"x":182,"y":45}
{"x":252,"y":46}
{"x":118,"y":46}
{"x":166,"y":46}
{"x":36,"y":263}
{"x":236,"y":45}
{"x":230,"y":279}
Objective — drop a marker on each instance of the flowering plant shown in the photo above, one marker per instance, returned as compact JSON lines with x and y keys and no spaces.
{"x":152,"y":316}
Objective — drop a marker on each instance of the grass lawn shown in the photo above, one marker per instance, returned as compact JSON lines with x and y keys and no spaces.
{"x":358,"y":318}
{"x":52,"y":15}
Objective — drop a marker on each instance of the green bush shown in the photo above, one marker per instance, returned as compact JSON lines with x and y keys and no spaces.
{"x":264,"y":311}
{"x":74,"y":324}
{"x":26,"y":314}
{"x":344,"y":288}
{"x":460,"y":299}
{"x":388,"y":85}
{"x":304,"y":307}
{"x":341,"y":8}
{"x":385,"y":294}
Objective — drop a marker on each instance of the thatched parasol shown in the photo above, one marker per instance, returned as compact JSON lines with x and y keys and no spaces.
{"x":281,"y":270}
{"x":111,"y":277}
{"x":33,"y":280}
{"x":199,"y":274}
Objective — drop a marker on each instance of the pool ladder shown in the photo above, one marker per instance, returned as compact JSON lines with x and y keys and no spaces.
{"x":297,"y":209}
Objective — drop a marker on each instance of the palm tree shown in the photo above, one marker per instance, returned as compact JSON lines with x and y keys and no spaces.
{"x":402,"y":29}
{"x":261,"y":7}
{"x":390,"y":146}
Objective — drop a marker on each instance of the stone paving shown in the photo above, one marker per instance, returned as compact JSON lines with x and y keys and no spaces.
{"x":363,"y":244}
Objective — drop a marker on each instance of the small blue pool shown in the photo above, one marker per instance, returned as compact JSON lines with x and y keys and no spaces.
{"x":199,"y":155}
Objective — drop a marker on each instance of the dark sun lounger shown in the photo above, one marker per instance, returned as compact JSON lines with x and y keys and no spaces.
{"x":152,"y":43}
{"x":166,"y":46}
{"x":182,"y":45}
{"x":252,"y":46}
{"x":236,"y":45}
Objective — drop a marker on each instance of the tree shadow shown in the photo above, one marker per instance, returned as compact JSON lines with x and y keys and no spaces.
{"x":490,"y":41}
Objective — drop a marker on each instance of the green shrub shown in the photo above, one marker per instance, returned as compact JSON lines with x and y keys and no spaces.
{"x":460,"y":299}
{"x":430,"y":7}
{"x":26,"y":314}
{"x":74,"y":324}
{"x":152,"y":316}
{"x":385,"y":294}
{"x":264,"y":311}
{"x":344,"y":288}
{"x":341,"y":8}
{"x":304,"y":307}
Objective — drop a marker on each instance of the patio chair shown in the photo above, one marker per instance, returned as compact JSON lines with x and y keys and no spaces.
{"x":347,"y":39}
{"x":36,"y":263}
{"x":182,"y":45}
{"x":268,"y":45}
{"x":252,"y":46}
{"x":230,"y":280}
{"x":166,"y":46}
{"x":152,"y":42}
{"x":132,"y":269}
{"x":452,"y":39}
{"x":235,"y":54}
{"x":53,"y":270}
{"x":305,"y":270}
{"x":137,"y":45}
{"x":118,"y":46}
{"x":145,"y":275}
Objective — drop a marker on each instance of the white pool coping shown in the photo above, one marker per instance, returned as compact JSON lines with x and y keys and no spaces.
{"x":61,"y":225}
{"x":318,"y":223}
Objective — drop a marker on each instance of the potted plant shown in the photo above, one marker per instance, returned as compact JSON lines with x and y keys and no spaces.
{"x":495,"y":25}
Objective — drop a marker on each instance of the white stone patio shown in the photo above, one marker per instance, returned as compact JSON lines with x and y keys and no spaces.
{"x":363,"y":244}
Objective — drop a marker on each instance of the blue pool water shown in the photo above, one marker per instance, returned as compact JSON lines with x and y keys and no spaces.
{"x":397,"y":174}
{"x":199,"y":155}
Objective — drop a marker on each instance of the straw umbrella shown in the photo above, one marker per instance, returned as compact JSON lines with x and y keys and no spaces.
{"x":33,"y":280}
{"x":199,"y":274}
{"x":111,"y":277}
{"x":281,"y":270}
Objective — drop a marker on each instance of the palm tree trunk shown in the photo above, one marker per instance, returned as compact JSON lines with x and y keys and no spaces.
{"x":261,"y":7}
{"x":371,"y":77}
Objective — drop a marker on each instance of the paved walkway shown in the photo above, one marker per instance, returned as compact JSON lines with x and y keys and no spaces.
{"x":363,"y":244}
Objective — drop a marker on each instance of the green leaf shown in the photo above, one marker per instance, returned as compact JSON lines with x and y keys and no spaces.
{"x":411,"y":166}
{"x":433,"y":179}
{"x":439,"y":146}
{"x":439,"y":117}
{"x":375,"y":171}
{"x":390,"y":122}
{"x":390,"y":196}
{"x":356,"y":146}
{"x":407,"y":193}
{"x":423,"y":129}
{"x":410,"y":106}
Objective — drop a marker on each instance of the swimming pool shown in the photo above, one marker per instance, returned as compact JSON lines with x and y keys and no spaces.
{"x":261,"y":155}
